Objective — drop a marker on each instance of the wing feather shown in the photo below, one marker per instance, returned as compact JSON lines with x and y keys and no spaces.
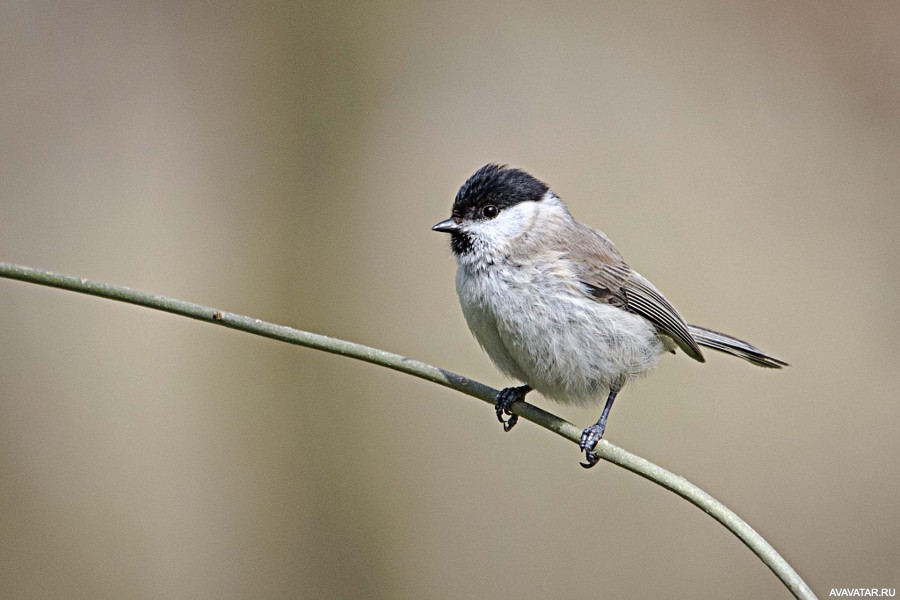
{"x":644,"y":299}
{"x":608,"y":279}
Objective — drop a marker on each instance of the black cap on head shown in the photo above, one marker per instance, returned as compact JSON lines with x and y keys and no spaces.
{"x":498,"y":185}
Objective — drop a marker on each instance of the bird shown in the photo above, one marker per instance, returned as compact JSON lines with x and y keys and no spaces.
{"x":555,"y":306}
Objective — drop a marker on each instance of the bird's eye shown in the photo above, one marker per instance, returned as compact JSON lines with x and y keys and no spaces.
{"x":490,"y":211}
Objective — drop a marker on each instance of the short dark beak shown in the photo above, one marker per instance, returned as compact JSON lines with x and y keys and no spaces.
{"x":448,"y":226}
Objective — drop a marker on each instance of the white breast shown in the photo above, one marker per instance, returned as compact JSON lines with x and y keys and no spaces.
{"x":538,"y":326}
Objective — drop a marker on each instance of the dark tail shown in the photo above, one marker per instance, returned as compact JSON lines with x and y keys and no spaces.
{"x":735,"y":347}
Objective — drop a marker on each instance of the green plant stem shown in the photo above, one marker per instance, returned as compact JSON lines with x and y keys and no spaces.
{"x":604,"y":450}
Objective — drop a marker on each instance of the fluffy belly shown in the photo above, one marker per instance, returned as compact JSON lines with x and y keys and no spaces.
{"x":571,"y":350}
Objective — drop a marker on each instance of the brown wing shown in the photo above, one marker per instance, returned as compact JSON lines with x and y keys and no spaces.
{"x":608,"y":279}
{"x":644,"y":299}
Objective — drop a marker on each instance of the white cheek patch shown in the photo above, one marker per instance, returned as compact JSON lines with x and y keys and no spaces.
{"x":492,"y":239}
{"x":510,"y":223}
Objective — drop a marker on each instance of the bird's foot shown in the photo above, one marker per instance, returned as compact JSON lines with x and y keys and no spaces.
{"x":589,"y":439}
{"x":506,"y":398}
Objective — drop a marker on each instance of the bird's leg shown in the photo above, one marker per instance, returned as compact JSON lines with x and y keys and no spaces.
{"x":593,"y":434}
{"x":506,"y":398}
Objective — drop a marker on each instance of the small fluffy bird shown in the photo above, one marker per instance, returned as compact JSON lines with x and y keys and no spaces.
{"x":553,"y":303}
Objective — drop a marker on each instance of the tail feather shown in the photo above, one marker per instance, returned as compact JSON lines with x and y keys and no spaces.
{"x":735,"y":347}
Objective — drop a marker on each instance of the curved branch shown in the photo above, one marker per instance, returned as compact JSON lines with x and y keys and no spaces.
{"x":604,"y":449}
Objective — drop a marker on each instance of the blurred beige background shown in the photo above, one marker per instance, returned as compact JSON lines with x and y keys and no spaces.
{"x":287,"y":162}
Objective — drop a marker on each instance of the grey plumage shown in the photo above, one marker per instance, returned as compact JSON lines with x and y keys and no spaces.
{"x":554,"y":304}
